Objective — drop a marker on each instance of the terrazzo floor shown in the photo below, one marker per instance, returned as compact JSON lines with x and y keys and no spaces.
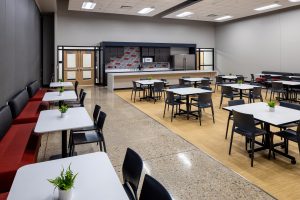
{"x":186,"y":171}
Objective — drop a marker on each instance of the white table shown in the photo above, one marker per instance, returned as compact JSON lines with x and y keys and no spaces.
{"x":51,"y":121}
{"x":272,"y":75}
{"x":241,"y":87}
{"x":195,"y":80}
{"x":65,"y":96}
{"x":229,"y":77}
{"x":150,"y":84}
{"x":61,"y":84}
{"x":96,"y":179}
{"x":289,"y":83}
{"x":187,"y":92}
{"x":260,"y":111}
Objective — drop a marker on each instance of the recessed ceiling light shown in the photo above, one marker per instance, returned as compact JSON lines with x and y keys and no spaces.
{"x":146,"y":11}
{"x":275,"y":5}
{"x":223,"y":18}
{"x":184,"y":14}
{"x":88,"y":5}
{"x":294,"y":1}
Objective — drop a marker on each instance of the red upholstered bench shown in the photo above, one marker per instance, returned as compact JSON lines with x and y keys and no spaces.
{"x":35,"y":92}
{"x":3,"y":196}
{"x":18,"y":147}
{"x":25,"y":111}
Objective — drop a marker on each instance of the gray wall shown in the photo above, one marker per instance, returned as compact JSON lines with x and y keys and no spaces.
{"x":20,"y":42}
{"x":80,"y":28}
{"x":268,"y":42}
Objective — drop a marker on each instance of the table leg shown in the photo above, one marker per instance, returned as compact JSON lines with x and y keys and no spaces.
{"x":241,"y":94}
{"x":188,"y":106}
{"x":64,"y":145}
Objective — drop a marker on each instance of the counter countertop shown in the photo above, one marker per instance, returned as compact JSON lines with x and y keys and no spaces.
{"x":136,"y":70}
{"x":159,"y":72}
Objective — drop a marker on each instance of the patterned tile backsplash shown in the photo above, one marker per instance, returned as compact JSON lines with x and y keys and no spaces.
{"x":131,"y":60}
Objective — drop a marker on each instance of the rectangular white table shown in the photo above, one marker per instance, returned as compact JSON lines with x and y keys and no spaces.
{"x":65,"y":96}
{"x":51,"y":121}
{"x":187,"y":91}
{"x":229,"y":77}
{"x":96,"y":179}
{"x":61,"y":84}
{"x":195,"y":80}
{"x":260,"y":112}
{"x":241,"y":87}
{"x":272,"y":75}
{"x":289,"y":83}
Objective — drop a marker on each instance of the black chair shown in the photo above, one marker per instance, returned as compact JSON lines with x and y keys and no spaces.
{"x":203,"y":101}
{"x":230,"y":116}
{"x":153,"y":190}
{"x":227,"y":92}
{"x":292,"y":106}
{"x":158,"y":90}
{"x":255,"y":94}
{"x":165,"y":81}
{"x":79,"y":97}
{"x":132,"y":170}
{"x":290,"y":135}
{"x":76,"y":88}
{"x":172,"y":101}
{"x":219,"y":81}
{"x":204,"y":83}
{"x":184,"y":83}
{"x":277,"y":87}
{"x":135,"y":89}
{"x":89,"y":136}
{"x":206,"y":88}
{"x":77,"y":104}
{"x":244,"y":124}
{"x":267,"y":83}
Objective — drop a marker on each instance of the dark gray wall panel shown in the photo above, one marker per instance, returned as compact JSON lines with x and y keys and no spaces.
{"x":20,"y":39}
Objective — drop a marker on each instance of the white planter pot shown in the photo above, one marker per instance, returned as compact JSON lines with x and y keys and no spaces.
{"x":60,"y":93}
{"x":65,"y":194}
{"x":63,"y":115}
{"x":271,"y":109}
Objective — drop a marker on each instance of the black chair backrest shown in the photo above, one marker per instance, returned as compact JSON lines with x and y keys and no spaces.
{"x":32,"y":88}
{"x":164,"y":80}
{"x":170,"y":98}
{"x":206,"y":88}
{"x":82,"y":99}
{"x":236,"y":102}
{"x":244,"y":122}
{"x":277,"y":86}
{"x":252,"y":78}
{"x":101,"y":120}
{"x":153,"y":190}
{"x":134,"y":85}
{"x":158,"y":86}
{"x":285,"y":78}
{"x":219,"y":79}
{"x":181,"y":81}
{"x":6,"y":120}
{"x":268,"y":77}
{"x":132,"y":170}
{"x":80,"y":93}
{"x":289,"y":105}
{"x":18,"y":102}
{"x":227,"y":90}
{"x":96,"y":112}
{"x":256,"y":91}
{"x":76,"y":88}
{"x":204,"y":98}
{"x":205,"y":82}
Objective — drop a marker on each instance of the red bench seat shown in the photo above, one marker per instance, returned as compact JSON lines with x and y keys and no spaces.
{"x":3,"y":196}
{"x":38,"y":95}
{"x":18,"y":147}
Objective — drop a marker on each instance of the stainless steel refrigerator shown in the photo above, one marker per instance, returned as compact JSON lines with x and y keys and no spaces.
{"x":183,"y":62}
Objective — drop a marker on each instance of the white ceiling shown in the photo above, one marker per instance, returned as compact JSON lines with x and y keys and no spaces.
{"x":114,"y":6}
{"x":201,"y":10}
{"x":46,"y":5}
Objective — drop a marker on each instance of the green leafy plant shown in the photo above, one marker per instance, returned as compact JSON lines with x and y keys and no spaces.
{"x":66,"y":179}
{"x":61,"y":90}
{"x":63,"y":108}
{"x":240,"y":81}
{"x":271,"y":104}
{"x":60,"y":80}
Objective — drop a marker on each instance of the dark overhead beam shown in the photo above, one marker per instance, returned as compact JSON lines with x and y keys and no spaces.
{"x":176,"y":8}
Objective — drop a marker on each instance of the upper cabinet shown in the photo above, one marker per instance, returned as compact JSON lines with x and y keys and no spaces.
{"x":161,"y":54}
{"x":111,"y":52}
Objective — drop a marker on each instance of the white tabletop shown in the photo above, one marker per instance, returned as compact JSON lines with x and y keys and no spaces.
{"x":96,"y":179}
{"x":61,"y":84}
{"x":294,"y":76}
{"x":229,"y":77}
{"x":260,"y":111}
{"x":291,"y":83}
{"x":188,"y":91}
{"x":241,"y":86}
{"x":148,"y":82}
{"x":195,"y":79}
{"x":51,"y":120}
{"x":65,"y":96}
{"x":274,"y":75}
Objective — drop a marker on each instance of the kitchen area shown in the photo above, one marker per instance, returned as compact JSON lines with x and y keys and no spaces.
{"x":123,"y":62}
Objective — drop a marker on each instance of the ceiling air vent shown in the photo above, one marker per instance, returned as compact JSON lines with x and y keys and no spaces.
{"x":212,"y":15}
{"x":126,"y":7}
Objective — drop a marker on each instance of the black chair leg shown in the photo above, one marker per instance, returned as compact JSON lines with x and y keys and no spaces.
{"x":200,"y":115}
{"x":231,"y":139}
{"x":165,"y":110}
{"x":221,"y":101}
{"x":252,"y":150}
{"x":104,"y":145}
{"x":228,"y":120}
{"x":172,"y":113}
{"x":213,"y":113}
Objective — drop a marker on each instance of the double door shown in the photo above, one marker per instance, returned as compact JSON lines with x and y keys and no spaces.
{"x":79,"y":65}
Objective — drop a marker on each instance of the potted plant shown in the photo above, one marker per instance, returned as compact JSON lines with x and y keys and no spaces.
{"x":240,"y":82}
{"x":64,"y":183}
{"x":61,"y":90}
{"x":63,"y":109}
{"x":271,"y":105}
{"x":60,"y":80}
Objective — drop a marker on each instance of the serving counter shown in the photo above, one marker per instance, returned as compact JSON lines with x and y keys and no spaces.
{"x":124,"y":80}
